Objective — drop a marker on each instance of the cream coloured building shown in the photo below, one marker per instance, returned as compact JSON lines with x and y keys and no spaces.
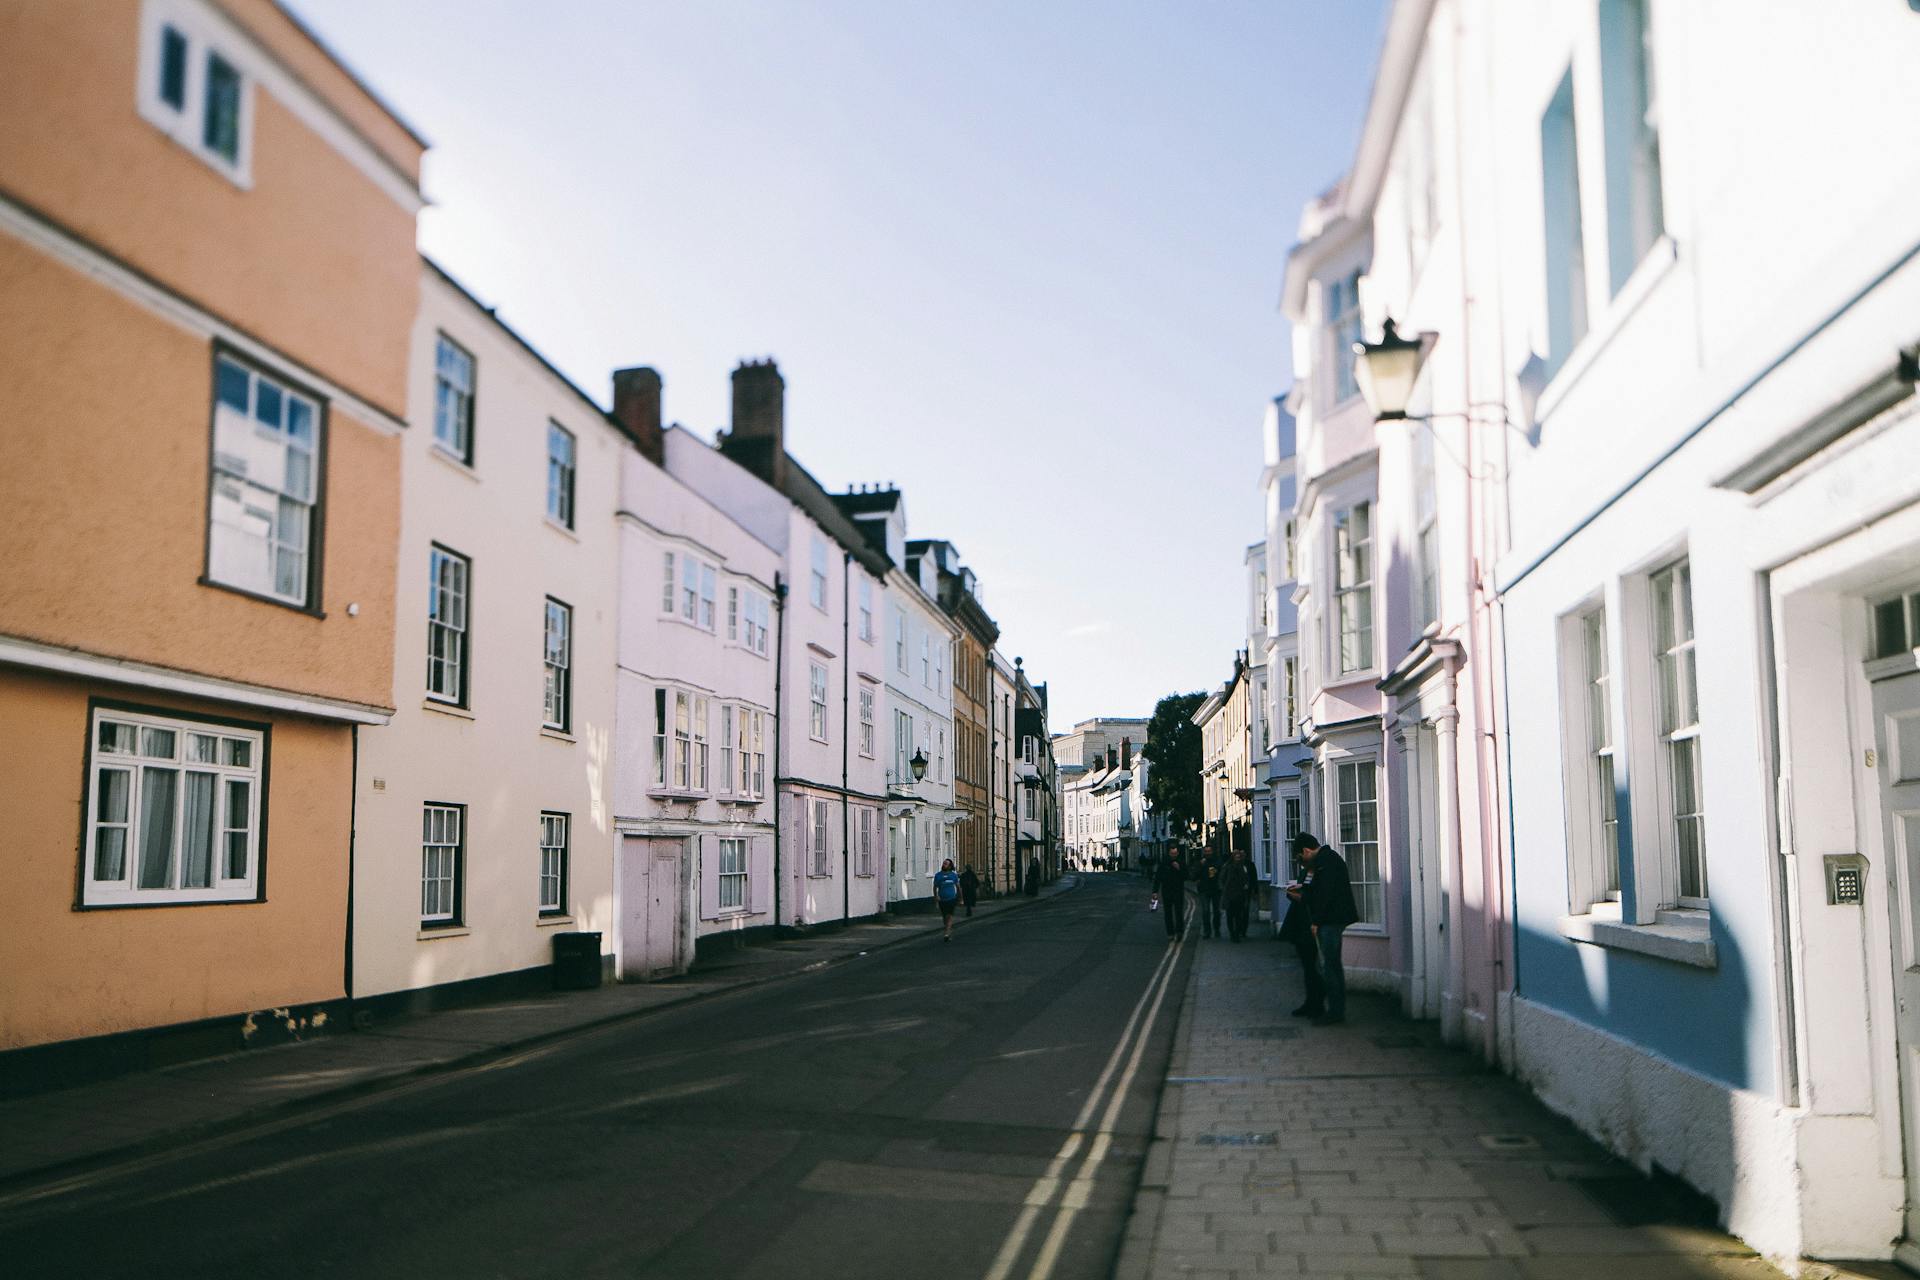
{"x":483,"y":811}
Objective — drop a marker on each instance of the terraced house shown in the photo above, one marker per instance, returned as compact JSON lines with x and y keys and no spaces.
{"x":211,"y":290}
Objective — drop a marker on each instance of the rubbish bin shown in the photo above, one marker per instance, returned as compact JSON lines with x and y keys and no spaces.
{"x":576,"y":961}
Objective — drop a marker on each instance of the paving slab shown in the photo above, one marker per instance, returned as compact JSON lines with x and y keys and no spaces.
{"x":1373,"y":1149}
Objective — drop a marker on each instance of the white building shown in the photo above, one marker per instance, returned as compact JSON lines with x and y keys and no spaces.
{"x":1003,"y":873}
{"x":482,"y":814}
{"x":692,"y":778}
{"x":1673,"y":549}
{"x":830,"y":772}
{"x":918,"y":707}
{"x":1279,"y":813}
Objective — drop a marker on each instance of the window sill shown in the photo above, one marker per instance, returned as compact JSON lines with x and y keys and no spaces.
{"x":428,"y":933}
{"x":745,"y":801}
{"x":1684,"y":937}
{"x":676,"y":795}
{"x":447,"y":457}
{"x":552,"y":922}
{"x":564,"y":531}
{"x":448,"y":709}
{"x":558,"y":735}
{"x":310,"y":610}
{"x":1648,"y":273}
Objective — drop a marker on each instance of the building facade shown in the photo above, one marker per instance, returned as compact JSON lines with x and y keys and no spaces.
{"x":478,"y":830}
{"x":1002,"y":873}
{"x":975,"y":634}
{"x":700,"y":603}
{"x":1225,"y":720}
{"x":183,"y":729}
{"x":829,"y":770}
{"x":1037,"y":841}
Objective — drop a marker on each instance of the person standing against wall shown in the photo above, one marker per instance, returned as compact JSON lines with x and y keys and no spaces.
{"x":1327,"y":896}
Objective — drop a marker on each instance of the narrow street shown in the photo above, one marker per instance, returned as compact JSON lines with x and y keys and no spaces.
{"x":869,"y":1120}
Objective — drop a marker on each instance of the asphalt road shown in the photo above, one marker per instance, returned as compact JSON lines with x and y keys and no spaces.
{"x":977,"y":1109}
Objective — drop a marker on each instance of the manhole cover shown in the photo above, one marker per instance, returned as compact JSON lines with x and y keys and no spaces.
{"x":1266,"y":1033}
{"x":1236,"y":1139}
{"x":1509,"y":1142}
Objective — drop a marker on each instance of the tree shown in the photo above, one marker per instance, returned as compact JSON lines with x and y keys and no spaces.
{"x":1173,"y":744}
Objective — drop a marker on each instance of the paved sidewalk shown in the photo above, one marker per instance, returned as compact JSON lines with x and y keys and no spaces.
{"x":45,"y":1134}
{"x":1372,"y":1149}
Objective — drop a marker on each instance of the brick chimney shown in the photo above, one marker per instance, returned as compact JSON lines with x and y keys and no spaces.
{"x":636,"y":405}
{"x":757,"y":439}
{"x":1126,"y":753}
{"x":1113,"y":758}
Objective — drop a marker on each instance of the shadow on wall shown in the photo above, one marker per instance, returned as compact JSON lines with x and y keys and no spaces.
{"x":1654,"y":1059}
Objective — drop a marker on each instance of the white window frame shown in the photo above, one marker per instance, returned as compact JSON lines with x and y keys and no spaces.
{"x":819,"y":836}
{"x":1564,"y":268}
{"x":1290,"y":698}
{"x":186,"y":123}
{"x":443,"y":857}
{"x":662,"y":735}
{"x":667,"y":595}
{"x":138,"y":746}
{"x":866,"y":609}
{"x":1676,"y":721}
{"x":1353,"y":645}
{"x":557,"y":661}
{"x":555,"y":856}
{"x":1630,"y":111}
{"x":728,"y":738}
{"x":754,"y":609}
{"x":732,"y":871}
{"x":561,"y":472}
{"x":453,"y":404}
{"x":868,"y":697}
{"x":1425,"y":580}
{"x":269,"y":452}
{"x":900,"y":639}
{"x":1591,"y":763}
{"x":817,"y":701}
{"x":752,"y":754}
{"x":902,"y":747}
{"x":868,"y":820}
{"x":817,"y":579}
{"x":449,"y":625}
{"x":1342,"y":326}
{"x":1351,"y":847}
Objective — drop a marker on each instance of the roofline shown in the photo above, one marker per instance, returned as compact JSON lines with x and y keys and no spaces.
{"x":346,"y":69}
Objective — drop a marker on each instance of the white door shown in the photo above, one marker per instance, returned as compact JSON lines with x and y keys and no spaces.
{"x":653,"y":929}
{"x":1896,"y":714}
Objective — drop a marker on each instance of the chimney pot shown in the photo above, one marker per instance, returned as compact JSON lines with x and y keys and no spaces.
{"x":636,"y":406}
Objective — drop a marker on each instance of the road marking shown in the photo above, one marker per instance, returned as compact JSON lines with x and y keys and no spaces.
{"x":1049,"y":1182}
{"x":1080,"y":1190}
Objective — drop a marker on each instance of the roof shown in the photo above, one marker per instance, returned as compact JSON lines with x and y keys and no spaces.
{"x":811,"y":497}
{"x":867,"y":501}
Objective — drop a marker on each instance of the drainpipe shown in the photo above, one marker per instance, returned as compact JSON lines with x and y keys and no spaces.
{"x":1447,"y":725}
{"x":846,"y":732}
{"x":779,"y":719}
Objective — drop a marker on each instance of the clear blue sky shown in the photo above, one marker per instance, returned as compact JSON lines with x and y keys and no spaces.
{"x":1021,"y":258}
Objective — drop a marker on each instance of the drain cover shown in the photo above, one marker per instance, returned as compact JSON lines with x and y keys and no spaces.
{"x":1236,"y":1139}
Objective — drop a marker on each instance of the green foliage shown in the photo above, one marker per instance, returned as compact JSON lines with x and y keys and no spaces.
{"x":1173,"y":744}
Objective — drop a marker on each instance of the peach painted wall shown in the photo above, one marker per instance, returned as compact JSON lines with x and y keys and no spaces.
{"x":105,"y":435}
{"x":82,"y":973}
{"x":314,"y":260}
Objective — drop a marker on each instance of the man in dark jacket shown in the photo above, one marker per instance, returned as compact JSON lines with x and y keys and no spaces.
{"x":1326,"y":894}
{"x":969,"y":888}
{"x":1237,"y":880}
{"x":1170,"y":882}
{"x":1206,"y":877}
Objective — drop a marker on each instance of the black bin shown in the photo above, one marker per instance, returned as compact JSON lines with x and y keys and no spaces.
{"x":576,"y":961}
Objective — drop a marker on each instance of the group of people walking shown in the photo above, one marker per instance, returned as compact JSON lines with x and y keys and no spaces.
{"x":1320,"y":906}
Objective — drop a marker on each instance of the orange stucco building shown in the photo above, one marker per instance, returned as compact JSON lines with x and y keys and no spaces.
{"x":209,"y":278}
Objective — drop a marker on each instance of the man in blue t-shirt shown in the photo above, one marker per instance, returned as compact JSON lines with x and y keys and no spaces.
{"x":946,"y":892}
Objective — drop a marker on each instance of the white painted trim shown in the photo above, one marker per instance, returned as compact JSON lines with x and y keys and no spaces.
{"x":88,"y":666}
{"x":98,"y":267}
{"x":1683,"y":937}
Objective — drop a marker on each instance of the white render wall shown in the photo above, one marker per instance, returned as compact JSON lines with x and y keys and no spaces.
{"x":923,"y":691}
{"x":661,"y":650}
{"x":492,"y":756}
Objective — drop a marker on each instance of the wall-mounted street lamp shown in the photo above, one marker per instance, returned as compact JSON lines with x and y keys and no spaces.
{"x":919,"y":765}
{"x":1388,"y":370}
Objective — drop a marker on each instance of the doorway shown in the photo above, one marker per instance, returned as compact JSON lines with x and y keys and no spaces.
{"x":654,"y":936}
{"x":1896,"y":717}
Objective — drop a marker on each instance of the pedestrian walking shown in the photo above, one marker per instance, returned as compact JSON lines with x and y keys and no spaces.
{"x":1033,"y":878}
{"x":1324,"y":901}
{"x":1171,"y":884}
{"x":969,"y":888}
{"x":1207,"y":884}
{"x":1237,"y":880}
{"x":946,"y":892}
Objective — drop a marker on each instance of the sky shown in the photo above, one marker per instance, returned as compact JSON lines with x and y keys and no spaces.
{"x":1021,"y":259}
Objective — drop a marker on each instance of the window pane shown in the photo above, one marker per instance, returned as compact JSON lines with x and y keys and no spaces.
{"x":196,"y":862}
{"x":173,"y":68}
{"x":157,"y":743}
{"x":239,"y":821}
{"x":231,"y":385}
{"x":1889,"y":628}
{"x":110,"y":842}
{"x":157,"y":788}
{"x":222,"y":131}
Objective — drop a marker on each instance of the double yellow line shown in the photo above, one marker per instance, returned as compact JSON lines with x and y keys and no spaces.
{"x":1075,"y":1193}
